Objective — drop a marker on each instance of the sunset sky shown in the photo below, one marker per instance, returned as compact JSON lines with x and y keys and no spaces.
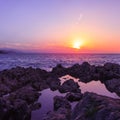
{"x":90,"y":26}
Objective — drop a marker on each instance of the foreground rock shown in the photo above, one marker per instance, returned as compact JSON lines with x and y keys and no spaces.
{"x":69,"y":86}
{"x":18,"y":77}
{"x":72,"y":97}
{"x":27,"y":94}
{"x":96,"y":107}
{"x":53,"y":82}
{"x":18,"y":110}
{"x":62,"y":110}
{"x":19,"y":104}
{"x":19,"y":91}
{"x":113,"y":85}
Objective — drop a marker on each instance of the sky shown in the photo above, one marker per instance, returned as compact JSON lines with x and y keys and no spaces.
{"x":57,"y":25}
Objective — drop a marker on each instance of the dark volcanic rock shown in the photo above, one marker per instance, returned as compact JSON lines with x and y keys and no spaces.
{"x":73,"y":97}
{"x":4,"y":89}
{"x":84,"y":71}
{"x":59,"y":71}
{"x":61,"y":114}
{"x":53,"y":82}
{"x":96,"y":107}
{"x":39,"y":85}
{"x":61,"y":102}
{"x":20,"y":110}
{"x":20,"y":86}
{"x":26,"y":93}
{"x":113,"y":85}
{"x":35,"y":106}
{"x":112,"y":66}
{"x":62,"y":110}
{"x":69,"y":86}
{"x":16,"y":111}
{"x":108,"y":71}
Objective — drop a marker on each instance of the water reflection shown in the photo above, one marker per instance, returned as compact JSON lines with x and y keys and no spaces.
{"x":93,"y":86}
{"x":46,"y":99}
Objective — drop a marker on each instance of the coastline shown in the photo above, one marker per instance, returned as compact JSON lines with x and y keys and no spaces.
{"x":20,"y":89}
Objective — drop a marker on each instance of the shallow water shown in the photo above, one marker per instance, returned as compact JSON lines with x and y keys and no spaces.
{"x":46,"y":99}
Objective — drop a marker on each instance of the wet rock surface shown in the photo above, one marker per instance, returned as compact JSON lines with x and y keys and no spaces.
{"x":72,"y":97}
{"x":18,"y":110}
{"x":113,"y":85}
{"x":69,"y":86}
{"x":62,"y":110}
{"x":26,"y":93}
{"x":96,"y":107}
{"x":20,"y":89}
{"x":53,"y":83}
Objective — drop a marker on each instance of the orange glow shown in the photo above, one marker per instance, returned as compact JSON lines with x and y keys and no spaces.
{"x":77,"y":44}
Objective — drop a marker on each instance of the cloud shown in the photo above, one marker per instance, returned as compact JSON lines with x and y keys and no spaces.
{"x":15,"y":45}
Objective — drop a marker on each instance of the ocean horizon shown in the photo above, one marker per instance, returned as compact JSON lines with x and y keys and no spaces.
{"x":49,"y":60}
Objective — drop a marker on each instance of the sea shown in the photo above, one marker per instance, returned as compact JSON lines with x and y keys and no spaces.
{"x":47,"y":61}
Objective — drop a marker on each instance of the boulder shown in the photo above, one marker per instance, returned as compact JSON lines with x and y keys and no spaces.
{"x":96,"y":107}
{"x":61,"y":114}
{"x":4,"y":89}
{"x":62,"y":110}
{"x":112,"y":66}
{"x":61,"y":102}
{"x":39,"y":86}
{"x":35,"y":106}
{"x":69,"y":86}
{"x":18,"y":110}
{"x":59,"y":71}
{"x":53,"y":82}
{"x":26,"y":93}
{"x":113,"y":85}
{"x":72,"y":97}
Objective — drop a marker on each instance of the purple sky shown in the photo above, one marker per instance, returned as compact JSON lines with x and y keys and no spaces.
{"x":46,"y":24}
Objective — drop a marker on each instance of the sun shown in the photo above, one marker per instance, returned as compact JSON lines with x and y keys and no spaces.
{"x":77,"y":44}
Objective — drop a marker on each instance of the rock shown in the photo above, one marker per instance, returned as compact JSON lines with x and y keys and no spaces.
{"x":39,"y":86}
{"x":27,"y":94}
{"x":73,"y":97}
{"x":35,"y":106}
{"x":112,"y":66}
{"x":61,"y":102}
{"x":86,"y":66}
{"x":59,"y":71}
{"x":19,"y":86}
{"x":53,"y":82}
{"x":54,"y":85}
{"x":4,"y":89}
{"x":113,"y":85}
{"x":74,"y":71}
{"x":62,"y":110}
{"x":3,"y":109}
{"x":69,"y":86}
{"x":18,"y":110}
{"x":96,"y":107}
{"x":61,"y":114}
{"x":84,"y":72}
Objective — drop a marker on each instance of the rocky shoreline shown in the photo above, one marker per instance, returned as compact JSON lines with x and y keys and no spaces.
{"x":20,"y":89}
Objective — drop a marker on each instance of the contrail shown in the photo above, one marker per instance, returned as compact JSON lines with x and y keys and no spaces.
{"x":79,"y":19}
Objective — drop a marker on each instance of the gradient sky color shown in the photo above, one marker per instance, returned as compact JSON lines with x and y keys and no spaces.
{"x":53,"y":25}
